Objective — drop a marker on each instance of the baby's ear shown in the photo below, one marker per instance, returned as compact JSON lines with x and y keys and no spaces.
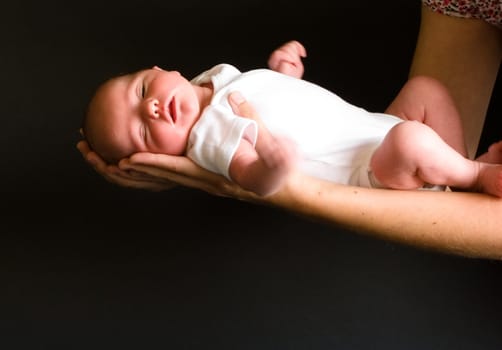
{"x":157,"y":68}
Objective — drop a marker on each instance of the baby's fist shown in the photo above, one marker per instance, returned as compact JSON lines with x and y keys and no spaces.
{"x":287,"y":59}
{"x":279,"y":154}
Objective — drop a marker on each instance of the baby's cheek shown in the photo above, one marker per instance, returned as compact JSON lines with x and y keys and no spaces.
{"x":173,"y":143}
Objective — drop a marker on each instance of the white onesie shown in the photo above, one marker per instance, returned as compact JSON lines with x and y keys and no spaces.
{"x":335,"y":139}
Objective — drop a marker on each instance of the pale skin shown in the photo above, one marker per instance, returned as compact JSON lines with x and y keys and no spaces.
{"x":462,"y":223}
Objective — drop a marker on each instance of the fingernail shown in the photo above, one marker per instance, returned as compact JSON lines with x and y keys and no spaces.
{"x":237,"y":97}
{"x":91,"y":160}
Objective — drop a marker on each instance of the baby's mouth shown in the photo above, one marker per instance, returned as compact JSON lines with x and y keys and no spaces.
{"x":172,"y":110}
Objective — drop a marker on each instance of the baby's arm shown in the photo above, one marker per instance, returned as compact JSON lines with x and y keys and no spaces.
{"x":287,"y":59}
{"x":264,"y":168}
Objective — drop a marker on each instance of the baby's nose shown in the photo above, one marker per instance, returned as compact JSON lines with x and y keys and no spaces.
{"x":151,"y":108}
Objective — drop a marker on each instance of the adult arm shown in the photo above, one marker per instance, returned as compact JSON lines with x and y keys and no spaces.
{"x":460,"y":223}
{"x":465,"y":55}
{"x":466,"y":224}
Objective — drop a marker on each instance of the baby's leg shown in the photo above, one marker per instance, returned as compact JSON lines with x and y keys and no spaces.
{"x":426,"y":100}
{"x":412,"y":154}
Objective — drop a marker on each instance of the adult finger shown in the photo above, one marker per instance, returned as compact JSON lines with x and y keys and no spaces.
{"x":241,"y":106}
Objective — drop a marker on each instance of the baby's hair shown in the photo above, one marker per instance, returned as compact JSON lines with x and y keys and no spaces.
{"x":86,"y":128}
{"x":86,"y":111}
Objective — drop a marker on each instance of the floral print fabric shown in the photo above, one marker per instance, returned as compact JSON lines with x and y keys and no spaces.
{"x":488,"y":10}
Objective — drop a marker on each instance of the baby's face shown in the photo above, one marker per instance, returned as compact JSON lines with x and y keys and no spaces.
{"x":152,"y":110}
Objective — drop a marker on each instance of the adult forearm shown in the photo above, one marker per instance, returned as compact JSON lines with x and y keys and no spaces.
{"x":467,"y":224}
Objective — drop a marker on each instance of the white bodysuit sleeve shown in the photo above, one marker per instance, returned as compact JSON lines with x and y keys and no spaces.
{"x":216,"y":136}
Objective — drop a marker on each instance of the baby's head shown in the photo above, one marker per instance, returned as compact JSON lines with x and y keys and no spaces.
{"x":152,"y":110}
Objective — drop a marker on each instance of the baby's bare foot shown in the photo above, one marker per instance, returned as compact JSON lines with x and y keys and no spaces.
{"x":494,"y":154}
{"x":490,"y":179}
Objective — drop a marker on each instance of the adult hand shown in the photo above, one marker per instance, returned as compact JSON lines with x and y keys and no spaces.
{"x":159,"y":172}
{"x":122,"y":177}
{"x":182,"y":171}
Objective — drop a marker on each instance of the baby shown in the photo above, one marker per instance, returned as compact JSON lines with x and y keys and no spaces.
{"x":303,"y":125}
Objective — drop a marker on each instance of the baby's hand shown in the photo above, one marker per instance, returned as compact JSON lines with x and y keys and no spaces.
{"x":287,"y":59}
{"x":279,"y":154}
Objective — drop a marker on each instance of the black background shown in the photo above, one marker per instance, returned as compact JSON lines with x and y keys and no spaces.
{"x":87,"y":264}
